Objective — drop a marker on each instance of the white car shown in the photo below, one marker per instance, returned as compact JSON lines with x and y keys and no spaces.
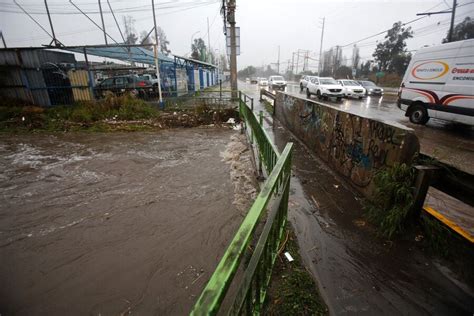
{"x":277,"y":82}
{"x":263,"y":81}
{"x":351,"y":88}
{"x":324,"y":87}
{"x":304,"y":82}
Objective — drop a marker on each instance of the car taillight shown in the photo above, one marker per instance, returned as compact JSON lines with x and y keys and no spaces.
{"x":141,"y":83}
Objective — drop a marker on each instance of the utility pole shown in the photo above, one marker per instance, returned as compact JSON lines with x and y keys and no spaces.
{"x":103,"y":25}
{"x":453,"y":14}
{"x":208,"y":42}
{"x":160,"y":98}
{"x":321,"y":49}
{"x":305,"y":64}
{"x":336,"y":61}
{"x":293,"y":66}
{"x":278,"y":67}
{"x":451,"y":28}
{"x":297,"y":61}
{"x":55,"y":40}
{"x":233,"y":48}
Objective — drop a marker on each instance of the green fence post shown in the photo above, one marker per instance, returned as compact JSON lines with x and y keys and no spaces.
{"x":260,"y":117}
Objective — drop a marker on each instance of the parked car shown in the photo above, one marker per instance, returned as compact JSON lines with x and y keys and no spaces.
{"x":121,"y":84}
{"x":439,"y":83}
{"x":254,"y":80}
{"x":263,"y":81}
{"x":351,"y":88}
{"x":324,"y":87}
{"x":371,"y":88}
{"x":277,"y":83}
{"x":150,"y":77}
{"x":304,"y":82}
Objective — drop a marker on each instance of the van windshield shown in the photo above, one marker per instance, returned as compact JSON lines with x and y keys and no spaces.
{"x":278,"y":78}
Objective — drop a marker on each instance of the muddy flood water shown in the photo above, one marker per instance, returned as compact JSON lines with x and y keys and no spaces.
{"x":108,"y":224}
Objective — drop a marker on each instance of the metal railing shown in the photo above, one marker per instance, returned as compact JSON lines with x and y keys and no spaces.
{"x":252,"y":288}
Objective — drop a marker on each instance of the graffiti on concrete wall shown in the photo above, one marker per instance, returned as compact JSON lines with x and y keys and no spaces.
{"x":354,"y":146}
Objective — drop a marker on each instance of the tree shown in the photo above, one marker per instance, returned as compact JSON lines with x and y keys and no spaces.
{"x":400,"y":63}
{"x":151,"y":40}
{"x":163,"y":42}
{"x":129,"y":28}
{"x":355,"y":59}
{"x":199,"y":49}
{"x":247,"y":72}
{"x":392,"y":51}
{"x":343,"y":72}
{"x":365,"y":68}
{"x":462,"y":31}
{"x":223,"y":62}
{"x":146,"y":40}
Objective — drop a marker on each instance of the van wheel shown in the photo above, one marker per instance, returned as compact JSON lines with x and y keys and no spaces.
{"x":418,"y":114}
{"x":301,"y":87}
{"x":308,"y":94}
{"x":318,"y":94}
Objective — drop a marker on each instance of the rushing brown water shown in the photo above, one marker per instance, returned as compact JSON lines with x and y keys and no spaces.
{"x":107,"y":224}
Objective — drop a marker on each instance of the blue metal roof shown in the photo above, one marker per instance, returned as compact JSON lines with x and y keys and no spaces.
{"x":129,"y":54}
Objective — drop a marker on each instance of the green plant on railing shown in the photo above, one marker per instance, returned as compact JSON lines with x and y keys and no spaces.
{"x":252,"y":290}
{"x":393,"y":199}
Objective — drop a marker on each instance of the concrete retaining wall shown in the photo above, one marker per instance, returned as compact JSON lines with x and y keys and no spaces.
{"x":352,"y":145}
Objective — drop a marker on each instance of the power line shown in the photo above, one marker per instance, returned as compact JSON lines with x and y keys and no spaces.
{"x":403,"y":24}
{"x":144,"y":8}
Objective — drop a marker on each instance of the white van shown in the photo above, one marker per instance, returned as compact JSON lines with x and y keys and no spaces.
{"x":439,"y":83}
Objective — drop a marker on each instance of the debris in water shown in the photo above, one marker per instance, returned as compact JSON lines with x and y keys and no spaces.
{"x":315,"y":202}
{"x":336,"y":186}
{"x":289,"y":257}
{"x":230,"y":121}
{"x":419,"y":237}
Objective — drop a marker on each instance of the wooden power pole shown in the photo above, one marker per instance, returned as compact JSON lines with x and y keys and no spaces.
{"x":233,"y":48}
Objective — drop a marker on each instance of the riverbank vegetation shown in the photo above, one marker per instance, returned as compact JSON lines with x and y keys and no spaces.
{"x":112,"y":113}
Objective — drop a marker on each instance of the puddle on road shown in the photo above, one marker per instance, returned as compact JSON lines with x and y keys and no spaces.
{"x":117,"y":222}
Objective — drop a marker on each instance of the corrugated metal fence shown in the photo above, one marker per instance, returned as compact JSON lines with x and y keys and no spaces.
{"x":46,"y":77}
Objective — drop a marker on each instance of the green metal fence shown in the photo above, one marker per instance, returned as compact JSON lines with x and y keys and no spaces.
{"x":272,"y":198}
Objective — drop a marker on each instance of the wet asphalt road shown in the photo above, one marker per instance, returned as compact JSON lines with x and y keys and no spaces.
{"x":357,"y":272}
{"x":452,"y":144}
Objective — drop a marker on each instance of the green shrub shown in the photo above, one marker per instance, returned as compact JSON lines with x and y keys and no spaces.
{"x":393,"y":199}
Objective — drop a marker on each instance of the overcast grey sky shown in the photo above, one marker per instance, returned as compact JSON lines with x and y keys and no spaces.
{"x":265,"y":24}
